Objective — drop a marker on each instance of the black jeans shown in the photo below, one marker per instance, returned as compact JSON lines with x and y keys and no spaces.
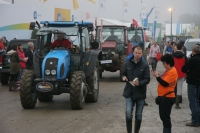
{"x":154,"y":63}
{"x":14,"y":77}
{"x":165,"y":108}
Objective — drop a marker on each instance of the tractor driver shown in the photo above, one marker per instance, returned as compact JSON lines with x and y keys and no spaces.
{"x":61,"y":42}
{"x":112,"y":36}
{"x":136,"y":37}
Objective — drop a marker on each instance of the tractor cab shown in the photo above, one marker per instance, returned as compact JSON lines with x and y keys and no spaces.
{"x":135,"y":37}
{"x":65,"y":61}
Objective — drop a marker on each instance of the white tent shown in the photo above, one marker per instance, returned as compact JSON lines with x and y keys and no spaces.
{"x":4,"y":2}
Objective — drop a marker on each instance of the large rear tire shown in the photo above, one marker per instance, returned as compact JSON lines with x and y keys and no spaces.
{"x":122,"y":62}
{"x":93,"y":83}
{"x":4,"y":78}
{"x":43,"y":97}
{"x":28,"y":99}
{"x":78,"y":90}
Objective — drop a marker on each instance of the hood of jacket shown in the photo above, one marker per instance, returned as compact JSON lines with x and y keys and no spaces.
{"x":178,"y":54}
{"x":11,"y":52}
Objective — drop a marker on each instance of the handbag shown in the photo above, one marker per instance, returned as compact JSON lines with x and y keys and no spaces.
{"x":160,"y":98}
{"x":158,"y":56}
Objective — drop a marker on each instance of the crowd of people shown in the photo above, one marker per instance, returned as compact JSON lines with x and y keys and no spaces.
{"x":177,"y":69}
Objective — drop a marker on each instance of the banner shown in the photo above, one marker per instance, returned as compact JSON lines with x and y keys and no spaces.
{"x":61,"y":14}
{"x":144,"y":11}
{"x":156,"y":15}
{"x":102,"y":5}
{"x":125,"y":7}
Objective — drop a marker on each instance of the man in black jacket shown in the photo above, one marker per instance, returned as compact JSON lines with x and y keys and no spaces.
{"x":137,"y":75}
{"x":192,"y":69}
{"x":29,"y":53}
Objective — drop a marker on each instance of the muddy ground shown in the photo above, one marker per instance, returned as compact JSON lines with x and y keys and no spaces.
{"x":105,"y":116}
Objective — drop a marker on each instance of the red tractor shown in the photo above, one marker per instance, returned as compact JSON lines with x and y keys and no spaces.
{"x":113,"y":45}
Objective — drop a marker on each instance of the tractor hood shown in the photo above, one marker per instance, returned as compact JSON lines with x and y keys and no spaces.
{"x":109,"y":44}
{"x":56,"y":64}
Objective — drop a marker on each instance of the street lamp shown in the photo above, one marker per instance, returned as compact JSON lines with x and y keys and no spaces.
{"x":171,"y":9}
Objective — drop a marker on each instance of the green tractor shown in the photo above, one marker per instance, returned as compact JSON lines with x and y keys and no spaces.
{"x":62,"y":70}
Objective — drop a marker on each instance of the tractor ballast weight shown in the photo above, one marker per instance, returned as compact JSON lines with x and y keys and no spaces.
{"x":62,"y":70}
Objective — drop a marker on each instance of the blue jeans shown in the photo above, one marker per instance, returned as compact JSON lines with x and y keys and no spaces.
{"x":20,"y":74}
{"x":130,"y":103}
{"x":193,"y":95}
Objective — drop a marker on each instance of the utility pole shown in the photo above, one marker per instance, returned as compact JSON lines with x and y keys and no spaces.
{"x":12,"y":1}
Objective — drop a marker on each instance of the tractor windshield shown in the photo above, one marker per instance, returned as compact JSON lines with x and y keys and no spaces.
{"x":111,"y":33}
{"x":135,"y":35}
{"x":47,"y":36}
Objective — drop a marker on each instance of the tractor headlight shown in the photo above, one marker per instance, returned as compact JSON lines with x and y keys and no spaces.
{"x":53,"y":72}
{"x":47,"y":72}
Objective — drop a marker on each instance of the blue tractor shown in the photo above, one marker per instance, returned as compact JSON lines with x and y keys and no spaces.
{"x":62,"y":70}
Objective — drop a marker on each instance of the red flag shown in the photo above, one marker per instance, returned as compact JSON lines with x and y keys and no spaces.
{"x":87,"y":15}
{"x":135,"y":23}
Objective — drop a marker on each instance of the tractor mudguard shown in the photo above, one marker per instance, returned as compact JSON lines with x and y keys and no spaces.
{"x":91,"y":61}
{"x":59,"y":61}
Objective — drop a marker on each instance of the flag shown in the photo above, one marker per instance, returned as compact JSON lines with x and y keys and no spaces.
{"x":125,"y":7}
{"x":45,"y":1}
{"x":135,"y":23}
{"x":75,"y":4}
{"x":126,"y":10}
{"x":156,"y":15}
{"x":102,"y":5}
{"x":87,"y":15}
{"x":93,"y":1}
{"x":144,"y":11}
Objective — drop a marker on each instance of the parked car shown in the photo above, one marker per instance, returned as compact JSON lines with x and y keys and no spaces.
{"x":189,"y":43}
{"x":5,"y":60}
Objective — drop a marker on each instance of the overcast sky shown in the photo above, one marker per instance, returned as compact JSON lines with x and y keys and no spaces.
{"x":114,"y":8}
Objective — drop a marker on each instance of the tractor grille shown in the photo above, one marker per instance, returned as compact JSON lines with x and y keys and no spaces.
{"x":49,"y":77}
{"x":107,"y":50}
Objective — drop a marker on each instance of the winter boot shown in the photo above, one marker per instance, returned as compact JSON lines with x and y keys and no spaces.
{"x":11,"y":84}
{"x":129,"y":126}
{"x":166,"y":130}
{"x":137,"y":126}
{"x":178,"y":97}
{"x":16,"y":86}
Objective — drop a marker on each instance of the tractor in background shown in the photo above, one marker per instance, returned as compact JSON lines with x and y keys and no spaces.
{"x":56,"y":71}
{"x":113,"y":41}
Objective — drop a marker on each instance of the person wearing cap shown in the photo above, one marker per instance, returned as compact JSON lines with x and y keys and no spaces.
{"x":61,"y":42}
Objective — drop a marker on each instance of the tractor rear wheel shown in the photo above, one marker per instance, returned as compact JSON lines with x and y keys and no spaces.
{"x":28,"y":98}
{"x":122,"y":62}
{"x":43,"y":97}
{"x":78,"y":90}
{"x":93,"y":83}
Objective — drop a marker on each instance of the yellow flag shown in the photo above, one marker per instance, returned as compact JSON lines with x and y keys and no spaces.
{"x":45,"y":1}
{"x":93,"y":1}
{"x":75,"y":4}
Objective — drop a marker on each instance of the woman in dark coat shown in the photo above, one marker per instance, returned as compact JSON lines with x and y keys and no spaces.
{"x":14,"y":68}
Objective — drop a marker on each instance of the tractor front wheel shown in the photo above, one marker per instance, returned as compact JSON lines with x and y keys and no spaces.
{"x":27,"y":97}
{"x":93,"y":83}
{"x":78,"y":90}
